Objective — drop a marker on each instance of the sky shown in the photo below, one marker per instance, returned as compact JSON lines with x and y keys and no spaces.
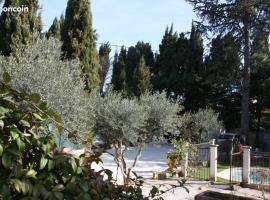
{"x":125,"y":22}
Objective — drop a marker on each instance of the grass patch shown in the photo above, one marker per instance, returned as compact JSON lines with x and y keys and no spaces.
{"x":204,"y":172}
{"x":200,"y":173}
{"x":222,"y":167}
{"x":223,"y":180}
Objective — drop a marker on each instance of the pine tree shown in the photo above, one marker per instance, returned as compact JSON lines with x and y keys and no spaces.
{"x":104,"y":57}
{"x":221,"y":80}
{"x":55,"y":29}
{"x":260,"y":80}
{"x":19,"y":28}
{"x":238,"y":18}
{"x":119,"y":71}
{"x":141,"y":78}
{"x":79,"y":40}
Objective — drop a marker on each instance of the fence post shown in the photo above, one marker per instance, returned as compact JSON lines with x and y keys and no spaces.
{"x":246,"y":164}
{"x":213,"y":162}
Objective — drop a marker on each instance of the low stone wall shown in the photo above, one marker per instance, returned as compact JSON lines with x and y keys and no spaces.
{"x":257,"y":187}
{"x":210,"y":195}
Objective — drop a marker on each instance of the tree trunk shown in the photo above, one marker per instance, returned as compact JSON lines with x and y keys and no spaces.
{"x":258,"y":130}
{"x":138,"y":155}
{"x":246,"y":83}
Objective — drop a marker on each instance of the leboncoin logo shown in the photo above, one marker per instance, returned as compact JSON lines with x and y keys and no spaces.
{"x":15,"y":9}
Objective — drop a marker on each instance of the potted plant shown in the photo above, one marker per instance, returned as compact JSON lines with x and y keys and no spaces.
{"x":173,"y":160}
{"x":177,"y":154}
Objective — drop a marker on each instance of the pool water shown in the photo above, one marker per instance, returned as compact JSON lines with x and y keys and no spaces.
{"x":260,"y":176}
{"x":257,"y":175}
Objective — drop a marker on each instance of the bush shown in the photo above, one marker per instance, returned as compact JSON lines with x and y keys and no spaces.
{"x":200,"y":127}
{"x":180,"y":149}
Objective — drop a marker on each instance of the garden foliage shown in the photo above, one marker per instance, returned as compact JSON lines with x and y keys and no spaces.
{"x":200,"y":126}
{"x":125,"y":123}
{"x":31,"y":165}
{"x":39,"y":69}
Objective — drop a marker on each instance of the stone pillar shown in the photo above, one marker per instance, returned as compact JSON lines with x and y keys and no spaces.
{"x":213,"y":162}
{"x":184,"y":168}
{"x":246,"y":164}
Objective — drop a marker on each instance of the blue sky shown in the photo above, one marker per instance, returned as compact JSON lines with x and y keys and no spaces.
{"x":124,"y":22}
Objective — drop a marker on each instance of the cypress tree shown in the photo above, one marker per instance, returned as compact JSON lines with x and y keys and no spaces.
{"x":104,"y":57}
{"x":145,"y":51}
{"x":62,"y":21}
{"x":141,"y":78}
{"x":164,"y":72}
{"x":132,"y":61}
{"x":194,"y":95}
{"x":55,"y":29}
{"x":79,"y":40}
{"x":119,"y":71}
{"x":134,"y":55}
{"x":19,"y":28}
{"x":196,"y":50}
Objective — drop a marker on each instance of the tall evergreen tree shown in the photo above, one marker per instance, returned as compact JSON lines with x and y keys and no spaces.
{"x":55,"y":29}
{"x":19,"y":28}
{"x":238,"y":17}
{"x":104,"y":57}
{"x":221,"y":79}
{"x":194,"y":95}
{"x":165,"y":72}
{"x":134,"y":55}
{"x":131,"y":63}
{"x":119,"y":71}
{"x":141,"y":78}
{"x":260,"y":80}
{"x":62,"y":21}
{"x":79,"y":40}
{"x":145,"y":50}
{"x":179,"y":67}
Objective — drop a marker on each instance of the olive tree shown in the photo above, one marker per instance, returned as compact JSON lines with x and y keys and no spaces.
{"x":161,"y":115}
{"x":39,"y":69}
{"x":200,"y":126}
{"x":127,"y":122}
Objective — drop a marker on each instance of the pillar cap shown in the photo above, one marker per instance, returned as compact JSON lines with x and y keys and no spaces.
{"x":213,"y":145}
{"x":247,"y":147}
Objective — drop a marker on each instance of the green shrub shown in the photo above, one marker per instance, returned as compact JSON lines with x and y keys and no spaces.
{"x":200,"y":126}
{"x":180,"y":149}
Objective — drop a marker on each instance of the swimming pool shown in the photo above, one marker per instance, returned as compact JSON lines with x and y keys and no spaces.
{"x":257,"y":175}
{"x":260,"y":176}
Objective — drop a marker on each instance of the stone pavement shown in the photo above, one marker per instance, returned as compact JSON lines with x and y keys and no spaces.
{"x":196,"y":187}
